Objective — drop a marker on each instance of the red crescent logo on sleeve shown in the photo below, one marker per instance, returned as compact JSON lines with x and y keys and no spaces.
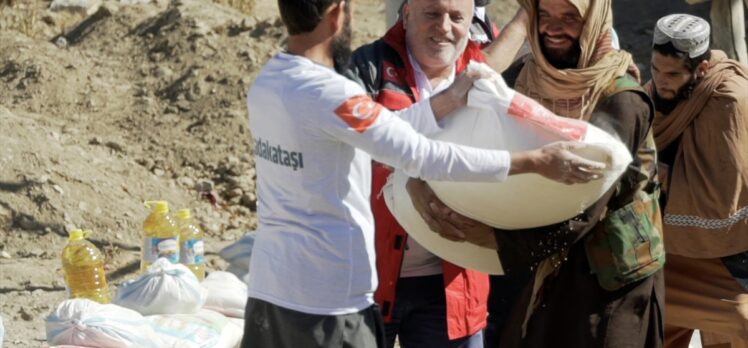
{"x":390,"y":71}
{"x":359,"y":112}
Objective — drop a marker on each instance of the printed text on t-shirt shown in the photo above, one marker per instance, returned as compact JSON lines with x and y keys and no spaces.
{"x":278,"y":155}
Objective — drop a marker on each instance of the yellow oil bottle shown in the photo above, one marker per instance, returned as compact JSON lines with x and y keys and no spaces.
{"x":191,"y":248}
{"x":83,"y":265}
{"x":160,"y":235}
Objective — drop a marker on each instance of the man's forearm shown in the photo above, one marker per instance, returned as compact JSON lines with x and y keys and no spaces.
{"x":456,"y":95}
{"x":501,"y":53}
{"x":525,"y":162}
{"x":444,"y":103}
{"x":421,"y":117}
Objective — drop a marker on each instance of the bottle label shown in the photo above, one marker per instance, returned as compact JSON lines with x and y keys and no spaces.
{"x":161,"y":247}
{"x":193,"y":252}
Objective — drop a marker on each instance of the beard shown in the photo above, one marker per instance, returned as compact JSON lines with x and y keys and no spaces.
{"x":666,"y":106}
{"x":562,"y":60}
{"x":341,"y":44}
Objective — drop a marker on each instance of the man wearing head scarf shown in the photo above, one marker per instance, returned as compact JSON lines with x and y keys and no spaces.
{"x":597,"y":279}
{"x":701,"y":130}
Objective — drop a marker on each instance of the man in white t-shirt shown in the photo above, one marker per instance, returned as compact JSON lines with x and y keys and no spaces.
{"x":312,"y":274}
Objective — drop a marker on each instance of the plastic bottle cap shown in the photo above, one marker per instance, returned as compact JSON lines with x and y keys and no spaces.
{"x":78,"y":234}
{"x":158,"y":206}
{"x":184,"y":214}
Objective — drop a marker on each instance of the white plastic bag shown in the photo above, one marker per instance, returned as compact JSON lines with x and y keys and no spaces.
{"x":165,"y":288}
{"x":87,"y":323}
{"x":226,"y":294}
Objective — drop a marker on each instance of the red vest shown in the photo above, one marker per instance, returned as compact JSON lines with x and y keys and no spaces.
{"x":466,"y":290}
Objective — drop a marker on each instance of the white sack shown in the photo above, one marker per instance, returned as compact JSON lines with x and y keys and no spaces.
{"x":226,"y":294}
{"x":82,"y":322}
{"x":466,"y":255}
{"x":164,"y":288}
{"x":497,"y":117}
{"x":500,"y":118}
{"x":204,"y":329}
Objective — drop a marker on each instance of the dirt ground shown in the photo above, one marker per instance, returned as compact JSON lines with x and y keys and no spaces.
{"x":143,"y":100}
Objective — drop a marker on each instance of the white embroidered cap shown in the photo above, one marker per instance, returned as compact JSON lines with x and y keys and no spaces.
{"x":687,"y":33}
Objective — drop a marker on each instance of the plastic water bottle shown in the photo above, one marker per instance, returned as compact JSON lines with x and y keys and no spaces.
{"x":192,"y":249}
{"x":83,"y":265}
{"x":160,"y":235}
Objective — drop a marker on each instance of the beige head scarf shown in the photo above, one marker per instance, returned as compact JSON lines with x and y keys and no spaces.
{"x":574,"y":92}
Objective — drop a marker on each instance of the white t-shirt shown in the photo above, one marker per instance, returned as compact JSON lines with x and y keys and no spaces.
{"x":314,"y":131}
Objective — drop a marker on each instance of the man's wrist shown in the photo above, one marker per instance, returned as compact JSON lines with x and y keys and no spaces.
{"x":525,"y":162}
{"x":456,"y":99}
{"x":494,"y":243}
{"x":443,"y":103}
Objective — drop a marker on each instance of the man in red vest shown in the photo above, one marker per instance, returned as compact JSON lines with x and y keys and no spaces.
{"x":426,"y":301}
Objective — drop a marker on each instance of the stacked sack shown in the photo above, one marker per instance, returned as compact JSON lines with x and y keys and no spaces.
{"x":165,"y":288}
{"x":161,"y":308}
{"x":82,"y":322}
{"x":226,"y":294}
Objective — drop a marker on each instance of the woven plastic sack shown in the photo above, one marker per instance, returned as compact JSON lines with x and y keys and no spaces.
{"x":165,"y":288}
{"x":226,"y":294}
{"x":81,"y":322}
{"x":204,"y":329}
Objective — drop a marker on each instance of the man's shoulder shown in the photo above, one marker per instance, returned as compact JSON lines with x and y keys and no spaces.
{"x":626,"y":89}
{"x":628,"y":98}
{"x":314,"y":88}
{"x":330,"y":89}
{"x":733,"y":89}
{"x":627,"y":82}
{"x":378,"y":66}
{"x":727,"y":102}
{"x":375,"y":52}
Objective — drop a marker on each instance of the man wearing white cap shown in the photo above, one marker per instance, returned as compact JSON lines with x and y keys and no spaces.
{"x":701,"y":130}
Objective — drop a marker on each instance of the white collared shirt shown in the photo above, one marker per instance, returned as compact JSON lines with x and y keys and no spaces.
{"x":417,"y":261}
{"x":422,"y":81}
